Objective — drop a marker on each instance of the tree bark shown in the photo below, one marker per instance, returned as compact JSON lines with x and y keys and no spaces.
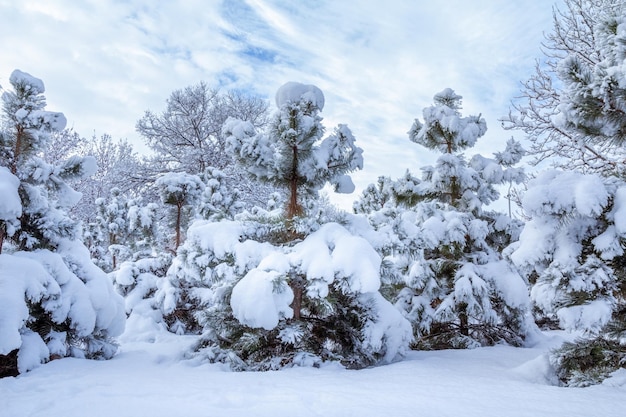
{"x":297,"y":286}
{"x":3,"y":231}
{"x":293,"y":208}
{"x":463,"y":319}
{"x":179,"y":208}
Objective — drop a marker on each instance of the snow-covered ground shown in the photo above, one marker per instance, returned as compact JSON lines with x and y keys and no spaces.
{"x":149,"y":379}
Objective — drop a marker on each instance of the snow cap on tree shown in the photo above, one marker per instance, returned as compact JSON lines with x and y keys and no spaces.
{"x":444,"y":129}
{"x":293,"y":92}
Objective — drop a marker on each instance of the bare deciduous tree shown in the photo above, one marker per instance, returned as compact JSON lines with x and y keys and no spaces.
{"x":540,"y":112}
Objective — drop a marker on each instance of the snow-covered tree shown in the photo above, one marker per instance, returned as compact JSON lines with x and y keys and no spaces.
{"x":10,"y":204}
{"x":187,"y":135}
{"x":180,"y":190}
{"x":374,"y":197}
{"x":119,"y":167}
{"x":572,"y":250}
{"x":572,"y":108}
{"x":450,"y":180}
{"x":138,"y":280}
{"x":113,"y":221}
{"x":264,"y":297}
{"x":574,"y":115}
{"x":567,"y":248}
{"x":218,"y":200}
{"x":55,"y":302}
{"x":292,"y":154}
{"x":123,"y":229}
{"x":240,"y":293}
{"x":442,"y":250}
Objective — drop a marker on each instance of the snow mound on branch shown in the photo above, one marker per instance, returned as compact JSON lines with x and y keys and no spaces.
{"x":331,"y":254}
{"x":70,"y":289}
{"x":261,"y":299}
{"x":554,"y":192}
{"x":10,"y":203}
{"x":23,"y":78}
{"x":293,"y":92}
{"x":20,"y":280}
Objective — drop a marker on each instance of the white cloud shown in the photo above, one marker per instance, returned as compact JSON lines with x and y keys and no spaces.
{"x":378,"y":63}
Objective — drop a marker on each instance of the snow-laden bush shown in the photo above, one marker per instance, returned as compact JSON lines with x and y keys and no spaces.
{"x":265,"y":306}
{"x":56,"y":304}
{"x":137,"y":281}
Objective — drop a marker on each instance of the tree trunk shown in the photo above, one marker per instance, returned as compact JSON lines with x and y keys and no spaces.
{"x":179,"y":209}
{"x":297,"y":286}
{"x":453,"y":182}
{"x":463,"y":319}
{"x":113,"y":241}
{"x":3,"y":231}
{"x":293,"y":208}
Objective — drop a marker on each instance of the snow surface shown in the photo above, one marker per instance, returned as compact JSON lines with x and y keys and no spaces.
{"x":150,"y":379}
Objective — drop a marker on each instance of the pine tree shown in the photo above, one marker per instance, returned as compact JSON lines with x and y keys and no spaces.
{"x":64,"y":304}
{"x":219,"y":200}
{"x":292,"y":154}
{"x":572,"y":251}
{"x":443,"y":260}
{"x":180,"y":190}
{"x":124,"y":229}
{"x":568,"y":246}
{"x":374,"y":197}
{"x":574,"y":116}
{"x":287,"y":287}
{"x":238,"y":292}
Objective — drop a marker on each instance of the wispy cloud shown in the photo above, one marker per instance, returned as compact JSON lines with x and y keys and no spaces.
{"x":378,"y":63}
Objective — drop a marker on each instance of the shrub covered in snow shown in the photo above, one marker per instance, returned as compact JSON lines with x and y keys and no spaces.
{"x":264,"y":306}
{"x":570,"y":247}
{"x":124,"y":229}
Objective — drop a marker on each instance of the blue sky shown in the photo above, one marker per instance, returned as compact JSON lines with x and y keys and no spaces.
{"x":379,"y":63}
